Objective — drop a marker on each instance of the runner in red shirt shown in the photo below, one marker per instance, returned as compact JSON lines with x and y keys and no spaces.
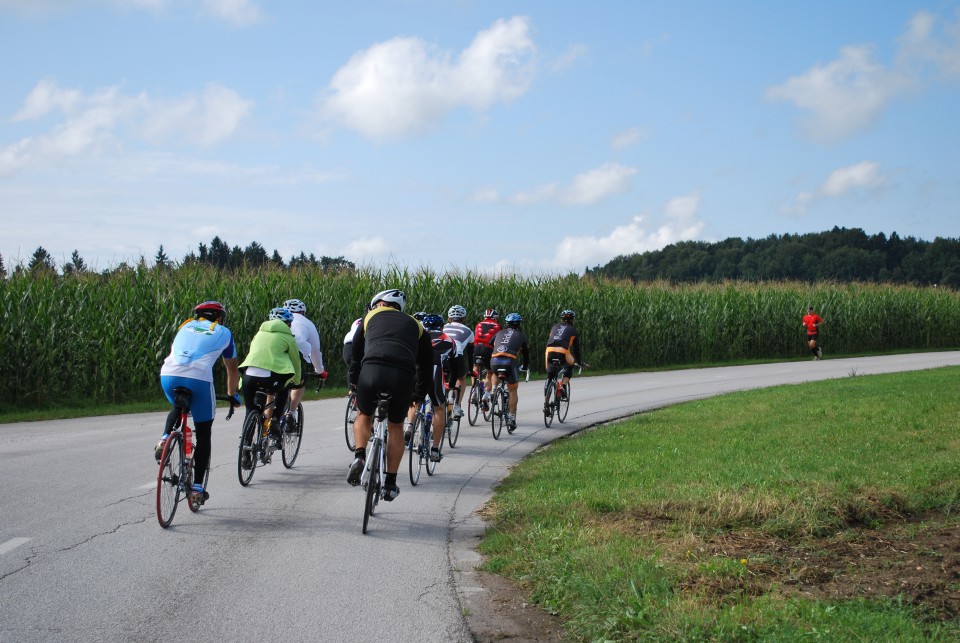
{"x":812,"y":321}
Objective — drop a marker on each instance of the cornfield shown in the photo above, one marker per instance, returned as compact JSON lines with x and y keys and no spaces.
{"x":103,"y":337}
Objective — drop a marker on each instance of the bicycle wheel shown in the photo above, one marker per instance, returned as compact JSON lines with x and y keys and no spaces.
{"x":373,"y":483}
{"x":498,"y":413}
{"x":348,"y":420}
{"x":549,"y":394}
{"x":563,"y":403}
{"x":247,"y":456}
{"x":169,"y":487}
{"x":416,"y":449}
{"x":428,"y":434}
{"x":473,"y":403}
{"x":292,"y":437}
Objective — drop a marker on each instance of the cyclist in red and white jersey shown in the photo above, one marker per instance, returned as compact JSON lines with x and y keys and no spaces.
{"x":483,"y":335}
{"x":461,"y":333}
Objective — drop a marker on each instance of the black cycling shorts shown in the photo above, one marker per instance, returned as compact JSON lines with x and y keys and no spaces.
{"x":483,"y":352}
{"x":382,"y":378}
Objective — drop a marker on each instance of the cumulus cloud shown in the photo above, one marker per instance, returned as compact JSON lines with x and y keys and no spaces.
{"x":587,"y":188}
{"x":404,"y":86}
{"x":862,"y":178}
{"x":365,"y":249}
{"x":91,"y":123}
{"x":678,"y":223}
{"x":847,"y":95}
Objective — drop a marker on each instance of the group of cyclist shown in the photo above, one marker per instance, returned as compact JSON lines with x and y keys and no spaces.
{"x":279,"y":353}
{"x":410,"y":357}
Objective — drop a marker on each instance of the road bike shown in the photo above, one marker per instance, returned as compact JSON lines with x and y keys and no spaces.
{"x":349,"y":418}
{"x":475,"y":405}
{"x":500,"y":403}
{"x":421,"y":439}
{"x":556,"y":396}
{"x":175,"y":477}
{"x":452,"y":425}
{"x":375,"y":466}
{"x":256,"y":443}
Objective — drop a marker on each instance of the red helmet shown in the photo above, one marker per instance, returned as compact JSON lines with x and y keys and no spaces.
{"x":212,"y":310}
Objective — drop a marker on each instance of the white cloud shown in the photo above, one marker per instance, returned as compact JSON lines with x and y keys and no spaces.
{"x":573,"y":53}
{"x":587,"y":188}
{"x":628,"y":138}
{"x":862,"y":178}
{"x":240,"y":13}
{"x":679,"y":223}
{"x":403,"y":86}
{"x":365,"y":249}
{"x":90,"y":124}
{"x":847,"y":95}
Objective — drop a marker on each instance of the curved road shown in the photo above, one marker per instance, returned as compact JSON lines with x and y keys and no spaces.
{"x":82,"y":557}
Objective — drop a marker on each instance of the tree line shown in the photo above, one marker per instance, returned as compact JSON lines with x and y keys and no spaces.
{"x":840,"y":254}
{"x":217,"y":254}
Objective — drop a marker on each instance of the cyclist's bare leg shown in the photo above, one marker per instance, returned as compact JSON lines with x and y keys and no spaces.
{"x":512,"y":406}
{"x":395,"y":446}
{"x":439,"y":425}
{"x":295,"y":397}
{"x":363,"y":429}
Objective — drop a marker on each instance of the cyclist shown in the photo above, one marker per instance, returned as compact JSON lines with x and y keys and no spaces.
{"x":199,"y":342}
{"x":483,"y":335}
{"x":272,"y":364}
{"x":308,"y":342}
{"x":390,"y":351}
{"x":563,"y":342}
{"x":461,"y":333}
{"x":811,"y":321}
{"x":348,"y":338}
{"x":508,"y":346}
{"x":445,"y":354}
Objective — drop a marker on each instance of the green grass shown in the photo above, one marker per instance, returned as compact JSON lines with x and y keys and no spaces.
{"x":698,"y":522}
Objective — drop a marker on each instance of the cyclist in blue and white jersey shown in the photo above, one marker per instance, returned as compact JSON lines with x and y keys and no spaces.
{"x":199,"y":343}
{"x":461,"y":333}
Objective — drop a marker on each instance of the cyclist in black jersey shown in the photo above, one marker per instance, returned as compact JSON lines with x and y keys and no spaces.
{"x":509,"y":346}
{"x":391,"y":351}
{"x":563,"y":343}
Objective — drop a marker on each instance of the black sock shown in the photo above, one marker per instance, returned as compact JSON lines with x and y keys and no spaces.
{"x":360,"y":452}
{"x":390,"y":480}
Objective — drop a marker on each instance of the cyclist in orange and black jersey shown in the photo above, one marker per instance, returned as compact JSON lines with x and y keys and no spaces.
{"x":563,"y":342}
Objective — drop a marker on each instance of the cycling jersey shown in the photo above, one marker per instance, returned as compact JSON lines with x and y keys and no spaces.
{"x":274,"y":350}
{"x":308,"y":341}
{"x":462,"y":334}
{"x":485,"y":331}
{"x":564,"y":339}
{"x":388,"y":336}
{"x":196,"y":348}
{"x":511,"y":343}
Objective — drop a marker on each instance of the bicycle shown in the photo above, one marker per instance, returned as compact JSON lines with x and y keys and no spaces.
{"x":452,"y":427}
{"x":256,"y":444}
{"x":375,"y":467}
{"x":349,"y":417}
{"x":475,"y":403}
{"x":499,"y":404}
{"x":556,"y":396}
{"x":175,"y":477}
{"x":421,"y":439}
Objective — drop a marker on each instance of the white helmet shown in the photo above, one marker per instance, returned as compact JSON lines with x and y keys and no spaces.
{"x":392,"y":296}
{"x":295,"y":306}
{"x":457,"y":312}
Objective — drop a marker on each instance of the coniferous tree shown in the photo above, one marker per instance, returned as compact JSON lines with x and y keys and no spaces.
{"x":41,"y":261}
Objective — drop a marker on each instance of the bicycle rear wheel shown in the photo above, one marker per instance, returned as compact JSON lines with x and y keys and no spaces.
{"x":498,"y":413}
{"x":428,"y":446}
{"x":169,"y":487}
{"x":416,"y":450}
{"x":549,"y":395}
{"x":247,"y":456}
{"x":373,"y":483}
{"x":292,"y":437}
{"x":473,"y":403}
{"x":453,"y":432}
{"x":348,"y":420}
{"x":563,"y":403}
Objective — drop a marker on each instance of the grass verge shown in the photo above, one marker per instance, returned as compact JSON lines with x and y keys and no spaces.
{"x":823,"y":510}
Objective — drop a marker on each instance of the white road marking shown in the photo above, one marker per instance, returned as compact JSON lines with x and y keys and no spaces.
{"x":12,"y":544}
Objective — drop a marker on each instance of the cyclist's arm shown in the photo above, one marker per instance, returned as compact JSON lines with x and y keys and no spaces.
{"x":316,"y":350}
{"x":525,"y":353}
{"x":294,"y":353}
{"x":356,"y":356}
{"x":233,"y":375}
{"x":424,"y":366}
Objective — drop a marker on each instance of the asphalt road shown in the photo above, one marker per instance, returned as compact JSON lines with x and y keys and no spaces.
{"x":82,"y":557}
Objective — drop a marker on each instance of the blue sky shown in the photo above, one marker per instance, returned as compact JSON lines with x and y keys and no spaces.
{"x":472,"y":135}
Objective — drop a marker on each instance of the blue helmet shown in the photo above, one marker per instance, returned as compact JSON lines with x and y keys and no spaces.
{"x":433,"y":322}
{"x":513,"y":319}
{"x":282,"y":314}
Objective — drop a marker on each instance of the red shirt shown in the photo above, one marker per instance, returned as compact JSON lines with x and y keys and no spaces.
{"x":811,"y":321}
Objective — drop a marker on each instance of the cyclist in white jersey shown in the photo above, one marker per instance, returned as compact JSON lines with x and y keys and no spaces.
{"x":308,"y":343}
{"x":460,"y":333}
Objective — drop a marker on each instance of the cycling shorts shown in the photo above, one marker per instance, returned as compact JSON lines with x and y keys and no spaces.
{"x":483,"y":353}
{"x":203,"y":403}
{"x":566,"y":360}
{"x":508,"y":363}
{"x":383,"y":378}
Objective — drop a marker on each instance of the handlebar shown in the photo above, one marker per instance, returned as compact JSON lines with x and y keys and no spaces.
{"x":321,"y":380}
